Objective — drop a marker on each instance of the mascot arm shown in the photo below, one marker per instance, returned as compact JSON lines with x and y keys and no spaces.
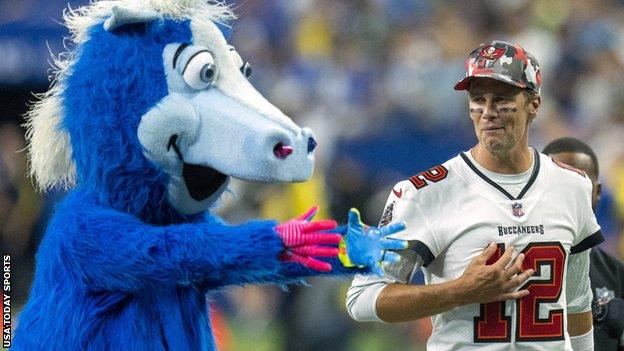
{"x":363,"y":249}
{"x":116,"y":251}
{"x":291,"y":272}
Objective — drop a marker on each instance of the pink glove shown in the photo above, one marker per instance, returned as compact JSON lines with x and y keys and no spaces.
{"x":303,"y":238}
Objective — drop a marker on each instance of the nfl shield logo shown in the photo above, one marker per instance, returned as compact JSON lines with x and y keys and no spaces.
{"x":386,"y":218}
{"x":516,"y":209}
{"x":604,"y":295}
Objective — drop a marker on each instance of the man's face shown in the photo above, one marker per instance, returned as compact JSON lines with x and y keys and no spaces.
{"x":501,"y":114}
{"x":584,"y":163}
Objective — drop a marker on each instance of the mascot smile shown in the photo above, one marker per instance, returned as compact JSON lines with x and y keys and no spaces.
{"x":149,"y":116}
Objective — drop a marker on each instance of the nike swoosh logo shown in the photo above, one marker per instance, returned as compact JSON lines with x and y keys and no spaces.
{"x":398,"y":193}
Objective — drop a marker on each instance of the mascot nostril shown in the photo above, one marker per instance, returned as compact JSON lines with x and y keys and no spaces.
{"x":311,"y":144}
{"x":282,"y":151}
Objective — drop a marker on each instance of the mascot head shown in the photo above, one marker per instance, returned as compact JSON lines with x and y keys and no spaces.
{"x":151,"y":112}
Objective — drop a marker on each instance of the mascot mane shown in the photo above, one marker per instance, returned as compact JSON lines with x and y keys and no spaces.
{"x":49,"y":143}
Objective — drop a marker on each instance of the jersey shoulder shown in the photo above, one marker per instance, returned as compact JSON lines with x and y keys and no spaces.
{"x":435,"y":183}
{"x":566,"y":175}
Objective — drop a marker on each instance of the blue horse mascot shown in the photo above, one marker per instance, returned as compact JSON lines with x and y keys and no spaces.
{"x":148,"y":118}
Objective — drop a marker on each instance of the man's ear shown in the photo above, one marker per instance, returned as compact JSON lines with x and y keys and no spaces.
{"x":535,"y":104}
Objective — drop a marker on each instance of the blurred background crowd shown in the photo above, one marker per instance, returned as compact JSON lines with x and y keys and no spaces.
{"x":374,"y":80}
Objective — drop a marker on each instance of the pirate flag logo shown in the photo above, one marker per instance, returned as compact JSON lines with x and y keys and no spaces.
{"x":489,"y":55}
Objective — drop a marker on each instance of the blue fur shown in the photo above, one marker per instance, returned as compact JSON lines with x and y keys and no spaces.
{"x":119,"y":268}
{"x":117,"y":78}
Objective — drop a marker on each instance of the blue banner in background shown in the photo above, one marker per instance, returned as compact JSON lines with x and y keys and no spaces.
{"x":30,"y":30}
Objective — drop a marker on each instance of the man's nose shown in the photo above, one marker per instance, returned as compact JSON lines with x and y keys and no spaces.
{"x":489,"y":110}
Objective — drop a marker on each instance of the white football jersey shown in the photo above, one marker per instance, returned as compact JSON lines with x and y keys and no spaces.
{"x":453,"y":211}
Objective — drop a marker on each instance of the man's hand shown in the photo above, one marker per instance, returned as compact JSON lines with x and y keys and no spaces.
{"x":484,"y":281}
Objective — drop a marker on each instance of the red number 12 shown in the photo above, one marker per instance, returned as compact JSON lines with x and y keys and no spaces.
{"x":492,"y":325}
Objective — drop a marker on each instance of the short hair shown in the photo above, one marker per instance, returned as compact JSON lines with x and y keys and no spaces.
{"x":529,"y":94}
{"x":569,"y":144}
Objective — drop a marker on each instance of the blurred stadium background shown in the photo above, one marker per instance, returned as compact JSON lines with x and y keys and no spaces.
{"x":374,"y":79}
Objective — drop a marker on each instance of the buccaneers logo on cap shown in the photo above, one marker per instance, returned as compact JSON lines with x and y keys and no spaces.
{"x":491,"y":53}
{"x":488,"y":55}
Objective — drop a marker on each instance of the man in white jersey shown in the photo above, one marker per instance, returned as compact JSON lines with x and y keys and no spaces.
{"x":500,"y":193}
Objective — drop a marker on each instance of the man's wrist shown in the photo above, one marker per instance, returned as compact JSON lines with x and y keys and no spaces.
{"x":457,"y":291}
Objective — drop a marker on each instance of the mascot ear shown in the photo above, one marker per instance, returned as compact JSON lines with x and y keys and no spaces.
{"x":122,"y":16}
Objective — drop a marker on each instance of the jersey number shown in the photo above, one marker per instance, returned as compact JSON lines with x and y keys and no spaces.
{"x":492,"y":325}
{"x":434,"y":174}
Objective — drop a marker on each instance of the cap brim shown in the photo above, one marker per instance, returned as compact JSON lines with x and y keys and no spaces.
{"x":464,"y":84}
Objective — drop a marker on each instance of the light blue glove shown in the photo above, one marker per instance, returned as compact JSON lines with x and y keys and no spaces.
{"x":366,"y":246}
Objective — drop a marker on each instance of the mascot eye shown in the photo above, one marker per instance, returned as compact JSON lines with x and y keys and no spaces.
{"x":244,"y":67}
{"x":200,"y":71}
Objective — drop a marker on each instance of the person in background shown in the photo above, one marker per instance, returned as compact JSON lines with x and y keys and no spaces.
{"x":605,"y":272}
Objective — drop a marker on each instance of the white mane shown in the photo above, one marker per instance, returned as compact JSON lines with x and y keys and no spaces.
{"x":49,"y":147}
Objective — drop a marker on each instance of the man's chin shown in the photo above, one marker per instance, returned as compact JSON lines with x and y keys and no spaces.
{"x":496,"y":146}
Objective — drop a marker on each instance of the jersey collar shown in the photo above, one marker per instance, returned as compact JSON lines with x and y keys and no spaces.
{"x":536,"y":168}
